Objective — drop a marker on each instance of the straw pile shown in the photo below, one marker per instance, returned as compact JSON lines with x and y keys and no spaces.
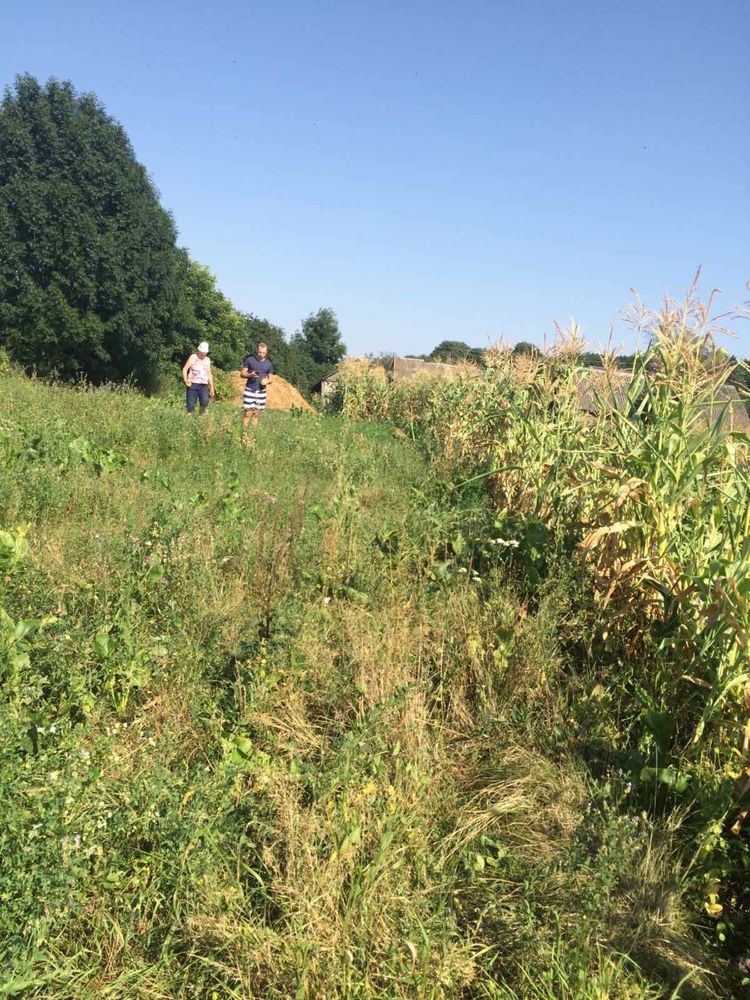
{"x":281,"y":395}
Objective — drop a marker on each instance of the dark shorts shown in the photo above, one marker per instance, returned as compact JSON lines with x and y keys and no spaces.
{"x":197,"y":394}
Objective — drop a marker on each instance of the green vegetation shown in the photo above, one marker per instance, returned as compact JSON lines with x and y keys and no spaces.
{"x":454,"y":351}
{"x":300,"y":718}
{"x":647,"y":503}
{"x":320,"y":338}
{"x":89,"y":273}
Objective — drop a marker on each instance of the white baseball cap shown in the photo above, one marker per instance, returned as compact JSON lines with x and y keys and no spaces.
{"x":203,"y":347}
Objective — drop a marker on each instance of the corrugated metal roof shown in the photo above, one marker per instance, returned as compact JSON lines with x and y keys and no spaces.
{"x":728,"y":406}
{"x":596,"y":387}
{"x":401,"y":368}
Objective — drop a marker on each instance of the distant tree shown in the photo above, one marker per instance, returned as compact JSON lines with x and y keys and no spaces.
{"x":525,"y":347}
{"x":207,"y":314}
{"x":450,"y":350}
{"x":89,"y":271}
{"x":590,"y":359}
{"x":626,"y":361}
{"x":320,"y":338}
{"x":383,"y":359}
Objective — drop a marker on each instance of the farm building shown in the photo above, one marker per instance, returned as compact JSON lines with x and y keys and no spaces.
{"x":406,"y":368}
{"x":596,"y":387}
{"x":729,"y":407}
{"x":326,"y":386}
{"x":397,"y":370}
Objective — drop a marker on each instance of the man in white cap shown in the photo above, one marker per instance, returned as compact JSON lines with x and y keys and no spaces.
{"x":196,"y":374}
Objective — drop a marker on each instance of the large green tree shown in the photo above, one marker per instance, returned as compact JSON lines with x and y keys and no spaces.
{"x":320,"y":338}
{"x":90,"y":276}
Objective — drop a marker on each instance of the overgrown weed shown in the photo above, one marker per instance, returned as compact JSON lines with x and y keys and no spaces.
{"x":298,"y":726}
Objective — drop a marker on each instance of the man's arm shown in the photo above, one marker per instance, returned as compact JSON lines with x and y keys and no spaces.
{"x":185,"y":368}
{"x":211,"y":390}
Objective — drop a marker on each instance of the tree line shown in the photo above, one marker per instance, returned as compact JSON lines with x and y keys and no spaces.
{"x":92,"y":280}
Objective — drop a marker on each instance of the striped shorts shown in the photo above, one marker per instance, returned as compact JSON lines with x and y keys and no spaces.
{"x":254,"y":399}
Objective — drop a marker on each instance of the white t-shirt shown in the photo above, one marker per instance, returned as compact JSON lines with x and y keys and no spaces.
{"x":199,"y":369}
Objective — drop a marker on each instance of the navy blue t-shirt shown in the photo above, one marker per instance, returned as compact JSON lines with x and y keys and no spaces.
{"x":262,"y":368}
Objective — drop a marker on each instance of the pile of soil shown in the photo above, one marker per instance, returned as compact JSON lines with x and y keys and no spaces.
{"x":281,"y":395}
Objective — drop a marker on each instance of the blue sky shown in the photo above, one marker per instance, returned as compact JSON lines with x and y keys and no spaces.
{"x":429,"y":170}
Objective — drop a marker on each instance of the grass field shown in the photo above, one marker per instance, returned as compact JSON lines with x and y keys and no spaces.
{"x":271,"y":729}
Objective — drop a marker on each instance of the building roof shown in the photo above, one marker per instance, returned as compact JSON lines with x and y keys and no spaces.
{"x":728,"y":406}
{"x":596,"y":387}
{"x":409,"y":367}
{"x":332,"y":377}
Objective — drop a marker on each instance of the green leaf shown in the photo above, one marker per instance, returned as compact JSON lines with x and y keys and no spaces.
{"x":26,"y":627}
{"x":458,"y":544}
{"x":668,"y":776}
{"x":238,"y":748}
{"x":156,"y":572}
{"x":350,"y":841}
{"x":101,"y":645}
{"x":661,"y":725}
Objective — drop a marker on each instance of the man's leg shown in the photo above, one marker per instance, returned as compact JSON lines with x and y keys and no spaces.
{"x":190,"y":401}
{"x":260,"y":405}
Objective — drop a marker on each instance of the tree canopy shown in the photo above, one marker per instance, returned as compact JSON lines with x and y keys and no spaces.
{"x":320,"y":337}
{"x":452,"y":351}
{"x":89,"y":271}
{"x":525,"y":347}
{"x":205,"y":313}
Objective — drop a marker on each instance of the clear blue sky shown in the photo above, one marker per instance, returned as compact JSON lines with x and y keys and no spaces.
{"x":429,"y":170}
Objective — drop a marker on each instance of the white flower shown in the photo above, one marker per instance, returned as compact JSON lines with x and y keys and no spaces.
{"x":508,"y":543}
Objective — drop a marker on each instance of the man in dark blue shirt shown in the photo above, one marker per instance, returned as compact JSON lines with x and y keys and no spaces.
{"x":258,"y":371}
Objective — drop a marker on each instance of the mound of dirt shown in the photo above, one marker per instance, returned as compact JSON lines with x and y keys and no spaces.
{"x":281,"y":395}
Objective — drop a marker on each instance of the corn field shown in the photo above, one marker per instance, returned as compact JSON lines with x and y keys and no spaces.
{"x":647,"y":491}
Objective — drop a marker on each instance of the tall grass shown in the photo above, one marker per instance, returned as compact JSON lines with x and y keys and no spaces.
{"x":648,"y":497}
